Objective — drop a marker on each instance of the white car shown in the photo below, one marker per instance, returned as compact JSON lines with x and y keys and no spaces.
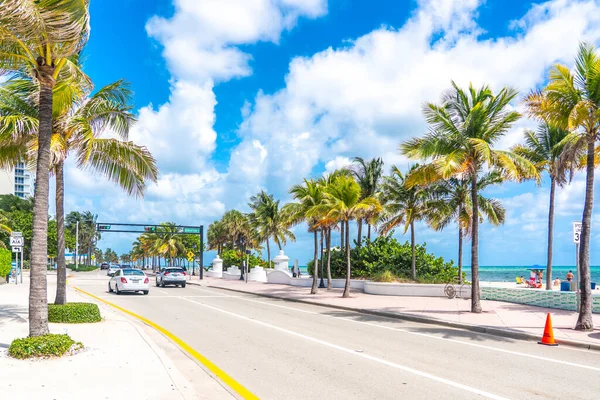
{"x":129,"y":280}
{"x":112,"y":269}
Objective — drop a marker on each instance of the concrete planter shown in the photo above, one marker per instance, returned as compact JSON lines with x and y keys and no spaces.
{"x":341,"y":283}
{"x":404,"y":289}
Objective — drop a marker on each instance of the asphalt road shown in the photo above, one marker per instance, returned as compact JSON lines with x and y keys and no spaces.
{"x":278,"y":350}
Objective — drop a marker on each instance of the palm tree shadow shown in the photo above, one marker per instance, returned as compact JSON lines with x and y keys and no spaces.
{"x":11,"y":313}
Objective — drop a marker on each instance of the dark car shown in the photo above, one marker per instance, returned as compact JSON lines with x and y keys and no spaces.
{"x":104,"y":266}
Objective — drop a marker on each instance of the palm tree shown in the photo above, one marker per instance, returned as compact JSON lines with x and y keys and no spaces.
{"x":546,"y":149}
{"x":342,"y":202}
{"x":77,"y":127}
{"x":571,"y":100}
{"x":308,"y":196}
{"x":403,"y":205}
{"x":4,"y":227}
{"x":463,"y":130}
{"x":38,"y":39}
{"x":269,"y":221}
{"x":368,"y":175}
{"x":451,"y":203}
{"x":169,"y":243}
{"x":217,"y":236}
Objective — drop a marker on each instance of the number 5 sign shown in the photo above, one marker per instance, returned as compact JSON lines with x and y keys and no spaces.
{"x":576,"y":232}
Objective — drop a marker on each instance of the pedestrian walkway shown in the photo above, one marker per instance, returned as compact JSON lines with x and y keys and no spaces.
{"x":509,"y":317}
{"x":121,"y":359}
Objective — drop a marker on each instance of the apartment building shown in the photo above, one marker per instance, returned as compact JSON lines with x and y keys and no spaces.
{"x":18,"y":181}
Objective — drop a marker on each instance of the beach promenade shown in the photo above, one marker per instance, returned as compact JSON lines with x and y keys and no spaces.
{"x":502,"y":318}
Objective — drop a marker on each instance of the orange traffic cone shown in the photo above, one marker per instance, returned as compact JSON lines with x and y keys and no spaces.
{"x":548,"y":338}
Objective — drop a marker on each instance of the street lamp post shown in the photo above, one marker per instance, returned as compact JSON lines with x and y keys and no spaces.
{"x":76,"y":244}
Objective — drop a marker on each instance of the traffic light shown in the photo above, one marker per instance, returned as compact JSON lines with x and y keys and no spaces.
{"x":103,"y":227}
{"x":150,"y":228}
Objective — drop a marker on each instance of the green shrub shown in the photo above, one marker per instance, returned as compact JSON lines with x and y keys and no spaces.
{"x":42,"y":346}
{"x":235,"y":257}
{"x":82,"y":268}
{"x":74,"y":313}
{"x":384,"y":276}
{"x":5,"y":262}
{"x":385,"y":253}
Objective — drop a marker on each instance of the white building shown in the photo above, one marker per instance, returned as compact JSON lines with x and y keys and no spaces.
{"x":18,"y":181}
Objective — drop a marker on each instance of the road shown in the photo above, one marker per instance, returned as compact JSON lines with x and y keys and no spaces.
{"x":279,"y":349}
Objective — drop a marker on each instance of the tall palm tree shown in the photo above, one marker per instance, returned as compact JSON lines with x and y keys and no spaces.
{"x":571,"y":100}
{"x":463,"y":131}
{"x":38,"y":39}
{"x":168,"y":242}
{"x":308,"y":196}
{"x":451,"y":203}
{"x":217,"y":236}
{"x":403,"y":205}
{"x":342,"y":202}
{"x":368,"y":174}
{"x":546,"y":149}
{"x":269,"y":221}
{"x":77,"y":128}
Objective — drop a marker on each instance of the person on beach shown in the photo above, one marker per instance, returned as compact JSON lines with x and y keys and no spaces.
{"x":570,"y":276}
{"x":532,"y":277}
{"x":556,"y":281}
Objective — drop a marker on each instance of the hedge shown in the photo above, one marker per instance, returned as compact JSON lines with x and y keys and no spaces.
{"x":5,"y":262}
{"x":74,"y":313}
{"x":49,"y":345}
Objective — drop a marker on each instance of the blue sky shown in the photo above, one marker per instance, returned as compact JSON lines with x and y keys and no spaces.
{"x":235,"y":96}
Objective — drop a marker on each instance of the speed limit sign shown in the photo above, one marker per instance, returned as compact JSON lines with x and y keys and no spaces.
{"x":576,"y":232}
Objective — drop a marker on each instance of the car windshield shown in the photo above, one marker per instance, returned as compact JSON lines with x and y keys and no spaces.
{"x":132,"y":272}
{"x":176,"y":270}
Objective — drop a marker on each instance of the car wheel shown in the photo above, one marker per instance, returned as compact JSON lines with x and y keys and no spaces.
{"x":145,"y":292}
{"x":157,"y":283}
{"x":117,"y":289}
{"x":183,"y":285}
{"x":109,"y":288}
{"x":162,"y":283}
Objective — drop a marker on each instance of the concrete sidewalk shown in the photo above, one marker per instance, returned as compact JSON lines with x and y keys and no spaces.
{"x":122,"y":359}
{"x":509,"y":319}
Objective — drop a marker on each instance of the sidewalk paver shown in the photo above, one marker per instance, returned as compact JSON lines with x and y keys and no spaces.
{"x":496,"y":314}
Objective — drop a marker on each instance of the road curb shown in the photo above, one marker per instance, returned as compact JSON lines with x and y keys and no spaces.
{"x":489,"y":330}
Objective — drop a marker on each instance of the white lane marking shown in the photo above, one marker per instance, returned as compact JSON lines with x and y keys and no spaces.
{"x":160,"y":297}
{"x":161,"y":291}
{"x":571,"y":364}
{"x":362,"y":355}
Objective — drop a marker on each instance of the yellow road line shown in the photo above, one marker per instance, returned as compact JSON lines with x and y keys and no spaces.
{"x":228,"y":380}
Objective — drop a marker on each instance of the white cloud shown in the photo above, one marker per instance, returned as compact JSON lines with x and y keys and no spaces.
{"x":337,"y":163}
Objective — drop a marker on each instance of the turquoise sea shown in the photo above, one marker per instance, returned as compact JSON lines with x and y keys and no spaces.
{"x":500,"y":273}
{"x":494,"y":273}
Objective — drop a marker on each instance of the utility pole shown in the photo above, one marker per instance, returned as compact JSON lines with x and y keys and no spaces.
{"x":76,"y":244}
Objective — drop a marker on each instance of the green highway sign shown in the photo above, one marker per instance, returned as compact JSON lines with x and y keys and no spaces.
{"x":191,"y":230}
{"x":103,"y":227}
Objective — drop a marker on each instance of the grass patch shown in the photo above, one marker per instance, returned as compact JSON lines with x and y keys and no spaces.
{"x":82,"y":268}
{"x":49,"y":345}
{"x":74,"y":313}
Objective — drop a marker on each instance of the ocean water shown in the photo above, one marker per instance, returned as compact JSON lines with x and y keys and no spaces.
{"x":490,"y":273}
{"x":508,"y":273}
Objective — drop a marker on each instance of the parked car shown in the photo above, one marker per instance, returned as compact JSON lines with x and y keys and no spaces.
{"x":129,"y":280}
{"x":171,"y":276}
{"x":104,"y":266}
{"x":112,"y":269}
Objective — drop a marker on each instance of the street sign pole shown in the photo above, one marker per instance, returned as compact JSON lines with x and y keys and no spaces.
{"x":16,"y":267}
{"x":76,"y":244}
{"x":201,"y":252}
{"x":21,"y":264}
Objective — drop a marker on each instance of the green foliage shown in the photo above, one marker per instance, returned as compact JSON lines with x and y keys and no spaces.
{"x":385,"y":253}
{"x":384,"y":276}
{"x":74,"y":313}
{"x":49,"y":345}
{"x":5,"y":262}
{"x":82,"y":268}
{"x":235,"y":257}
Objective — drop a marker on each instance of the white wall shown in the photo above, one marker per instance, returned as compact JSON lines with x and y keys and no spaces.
{"x":7,"y":181}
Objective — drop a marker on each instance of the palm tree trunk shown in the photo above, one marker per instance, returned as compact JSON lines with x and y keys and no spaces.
{"x":342,"y":236}
{"x":413,"y":265}
{"x":328,"y":240}
{"x":38,"y":283}
{"x":313,"y":289}
{"x":347,"y":286}
{"x":321,"y":261}
{"x":359,"y":223}
{"x":268,"y":254}
{"x":475,"y":301}
{"x":584,"y":321}
{"x":61,"y":268}
{"x":550,"y":235}
{"x":369,"y":232}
